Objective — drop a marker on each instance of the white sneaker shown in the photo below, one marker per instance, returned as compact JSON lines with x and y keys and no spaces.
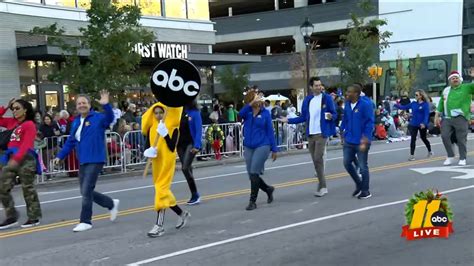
{"x":462,"y":162}
{"x":114,"y":211}
{"x":321,"y":192}
{"x":156,"y":231}
{"x":448,"y":161}
{"x":183,"y":219}
{"x":82,"y":227}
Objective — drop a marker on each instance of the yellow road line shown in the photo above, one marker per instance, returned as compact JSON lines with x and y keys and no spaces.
{"x":208,"y":197}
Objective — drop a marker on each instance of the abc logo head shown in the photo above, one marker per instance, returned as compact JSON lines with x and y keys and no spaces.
{"x":175,"y":82}
{"x":439,"y":218}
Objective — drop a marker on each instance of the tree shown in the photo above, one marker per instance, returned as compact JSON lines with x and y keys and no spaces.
{"x":234,"y":82}
{"x":361,"y":45}
{"x":406,"y":73}
{"x":111,"y":33}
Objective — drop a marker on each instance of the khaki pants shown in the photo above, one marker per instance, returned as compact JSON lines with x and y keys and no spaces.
{"x":317,"y":149}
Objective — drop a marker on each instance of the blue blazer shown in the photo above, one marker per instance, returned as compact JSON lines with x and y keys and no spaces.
{"x":358,"y":123}
{"x":258,"y":130}
{"x":91,"y":148}
{"x":328,"y":127}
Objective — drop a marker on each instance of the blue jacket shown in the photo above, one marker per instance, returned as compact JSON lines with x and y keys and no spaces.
{"x":195,"y":126}
{"x":420,"y":112}
{"x":328,"y":127}
{"x":91,"y":148}
{"x":358,"y":123}
{"x":258,"y":130}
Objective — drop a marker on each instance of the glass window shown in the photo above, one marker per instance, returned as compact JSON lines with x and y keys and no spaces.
{"x":85,"y":4}
{"x":46,"y":68}
{"x":437,"y":69}
{"x":68,"y":3}
{"x":150,"y":7}
{"x":198,"y":9}
{"x":27,"y":71}
{"x":175,"y":8}
{"x":121,"y":3}
{"x":28,"y":93}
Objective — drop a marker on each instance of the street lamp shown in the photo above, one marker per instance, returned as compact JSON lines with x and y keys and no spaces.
{"x":307,"y":29}
{"x":375,"y":72}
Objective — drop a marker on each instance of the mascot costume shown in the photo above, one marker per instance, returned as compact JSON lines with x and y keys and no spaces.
{"x":161,"y":125}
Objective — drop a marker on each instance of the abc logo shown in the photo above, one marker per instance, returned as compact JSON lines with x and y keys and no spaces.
{"x":439,"y":218}
{"x":175,"y":82}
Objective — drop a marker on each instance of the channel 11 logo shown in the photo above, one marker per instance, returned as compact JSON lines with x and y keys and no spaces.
{"x":428,"y":215}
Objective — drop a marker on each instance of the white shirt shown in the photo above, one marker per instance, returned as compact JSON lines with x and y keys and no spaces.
{"x":79,"y":129}
{"x":315,"y":115}
{"x":353,"y":105}
{"x":117,"y":115}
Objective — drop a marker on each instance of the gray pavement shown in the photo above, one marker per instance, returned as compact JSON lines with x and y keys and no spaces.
{"x":297,"y":229}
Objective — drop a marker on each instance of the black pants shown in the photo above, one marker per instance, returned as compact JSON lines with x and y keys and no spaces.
{"x":414,"y":132}
{"x":186,"y":157}
{"x":256,"y":183}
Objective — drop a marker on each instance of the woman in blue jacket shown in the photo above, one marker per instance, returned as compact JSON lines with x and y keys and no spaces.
{"x":259,"y":140}
{"x":189,"y":145}
{"x":419,"y":121}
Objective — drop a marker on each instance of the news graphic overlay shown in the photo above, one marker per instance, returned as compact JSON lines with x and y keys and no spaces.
{"x":427,"y":215}
{"x":175,"y":82}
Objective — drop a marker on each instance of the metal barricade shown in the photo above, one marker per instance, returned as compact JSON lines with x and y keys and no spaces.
{"x":133,"y":146}
{"x":281,"y":135}
{"x":297,"y":138}
{"x":230,"y":136}
{"x":70,"y":165}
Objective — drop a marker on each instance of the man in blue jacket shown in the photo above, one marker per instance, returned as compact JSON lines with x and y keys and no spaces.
{"x":357,"y":128}
{"x":319,"y":114}
{"x":88,"y":137}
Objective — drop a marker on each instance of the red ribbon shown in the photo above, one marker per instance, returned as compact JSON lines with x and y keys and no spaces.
{"x":427,"y":232}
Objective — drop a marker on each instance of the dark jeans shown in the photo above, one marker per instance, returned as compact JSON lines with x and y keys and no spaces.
{"x":88,"y":174}
{"x":414,"y":132}
{"x":350,"y":152}
{"x":186,"y":157}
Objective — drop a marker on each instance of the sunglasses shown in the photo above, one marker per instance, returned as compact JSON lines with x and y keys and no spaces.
{"x":16,"y":108}
{"x":158,"y":113}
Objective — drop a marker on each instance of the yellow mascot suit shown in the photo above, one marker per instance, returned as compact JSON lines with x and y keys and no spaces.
{"x":161,"y":123}
{"x":165,"y":162}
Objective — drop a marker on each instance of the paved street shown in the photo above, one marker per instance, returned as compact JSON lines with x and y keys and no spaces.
{"x":297,"y":229}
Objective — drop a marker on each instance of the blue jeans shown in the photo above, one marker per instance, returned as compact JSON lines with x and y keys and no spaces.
{"x":350,"y":152}
{"x":88,"y":174}
{"x":255,"y":159}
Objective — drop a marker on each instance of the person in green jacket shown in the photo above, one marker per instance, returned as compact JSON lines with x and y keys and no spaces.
{"x":455,"y":107}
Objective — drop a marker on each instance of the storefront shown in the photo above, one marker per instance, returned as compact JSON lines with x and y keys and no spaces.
{"x":182,"y":29}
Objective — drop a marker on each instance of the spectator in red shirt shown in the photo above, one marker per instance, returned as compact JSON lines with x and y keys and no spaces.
{"x":19,"y":160}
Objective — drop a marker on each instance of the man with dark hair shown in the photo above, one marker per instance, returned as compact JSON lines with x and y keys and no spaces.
{"x":319,"y":114}
{"x":356,"y":134}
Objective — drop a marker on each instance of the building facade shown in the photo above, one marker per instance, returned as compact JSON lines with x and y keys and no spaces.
{"x":432,"y":30}
{"x":26,"y":61}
